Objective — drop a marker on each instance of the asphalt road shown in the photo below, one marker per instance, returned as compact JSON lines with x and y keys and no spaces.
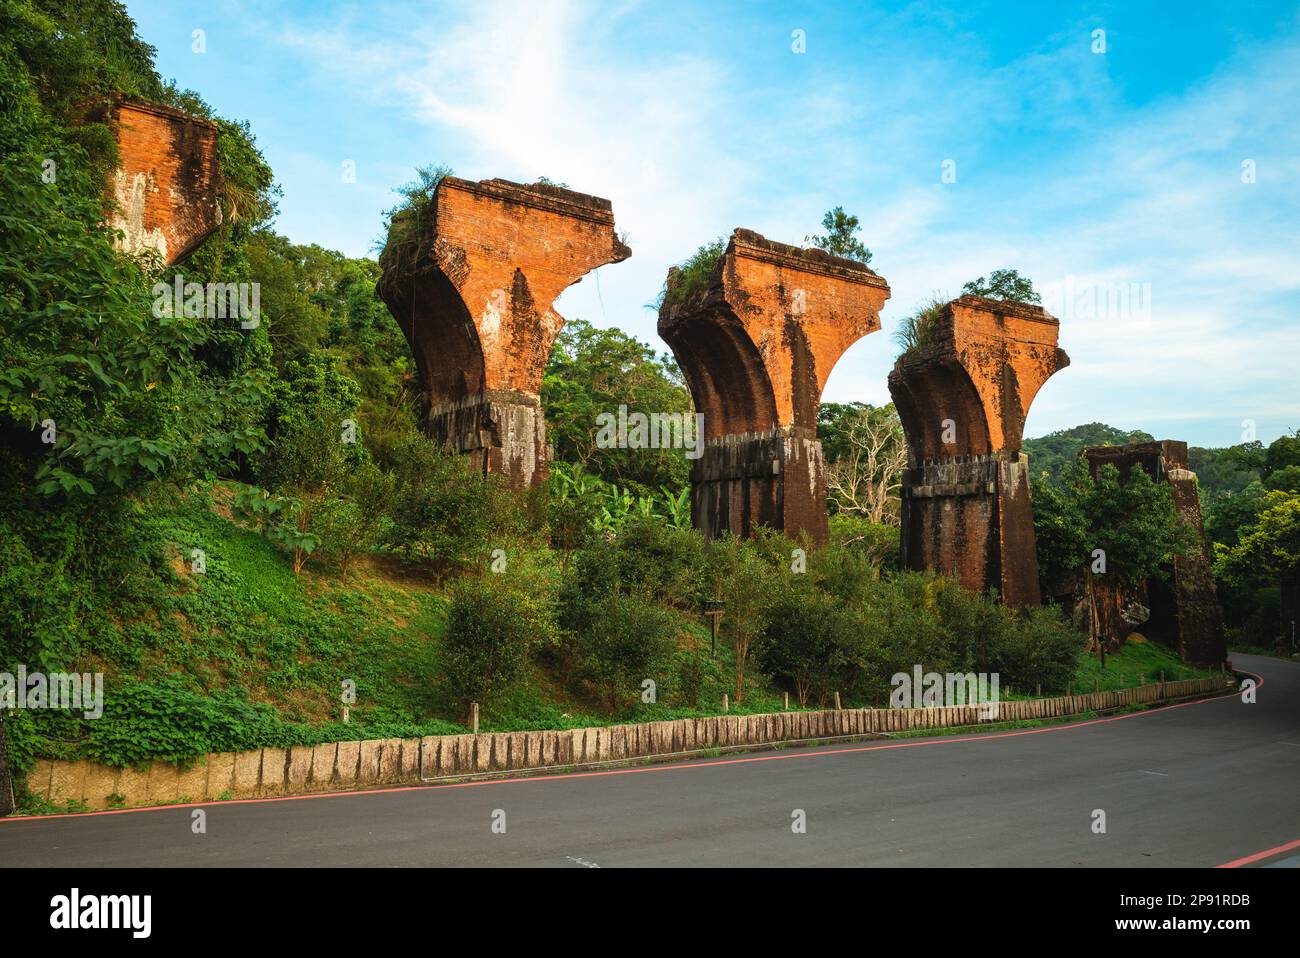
{"x":1193,"y":785}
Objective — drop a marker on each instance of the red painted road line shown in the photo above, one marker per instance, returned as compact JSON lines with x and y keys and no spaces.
{"x":1259,"y":856}
{"x":561,"y":776}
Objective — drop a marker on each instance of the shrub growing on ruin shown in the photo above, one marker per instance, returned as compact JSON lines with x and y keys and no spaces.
{"x":694,"y":275}
{"x":839,"y":238}
{"x":1003,"y":284}
{"x":918,"y":330}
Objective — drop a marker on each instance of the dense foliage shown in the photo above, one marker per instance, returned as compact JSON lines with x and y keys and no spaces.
{"x":1120,"y":526}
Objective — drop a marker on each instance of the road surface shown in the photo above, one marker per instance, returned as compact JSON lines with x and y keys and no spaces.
{"x":1201,"y":784}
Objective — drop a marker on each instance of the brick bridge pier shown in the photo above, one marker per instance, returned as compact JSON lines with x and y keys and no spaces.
{"x":756,"y":347}
{"x":962,"y":396}
{"x":472,"y":287}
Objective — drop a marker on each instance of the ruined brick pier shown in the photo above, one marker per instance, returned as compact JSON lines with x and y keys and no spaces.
{"x":962,"y":396}
{"x":472,"y":287}
{"x":1184,"y":611}
{"x":756,"y":347}
{"x":168,"y":182}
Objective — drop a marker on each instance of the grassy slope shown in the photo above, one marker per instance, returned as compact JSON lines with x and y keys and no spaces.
{"x":1135,"y":660}
{"x":249,"y":626}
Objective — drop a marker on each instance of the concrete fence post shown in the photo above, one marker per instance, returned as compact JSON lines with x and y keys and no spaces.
{"x":785,"y":702}
{"x":473,"y":717}
{"x":726,"y":705}
{"x":837,"y":701}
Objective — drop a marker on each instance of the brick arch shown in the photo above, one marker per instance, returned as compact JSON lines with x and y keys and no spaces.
{"x":475,"y":304}
{"x":724,"y":372}
{"x":757,"y":347}
{"x":931,"y":398}
{"x":448,"y":354}
{"x":966,"y":503}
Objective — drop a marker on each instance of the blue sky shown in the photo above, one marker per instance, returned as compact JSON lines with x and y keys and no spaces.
{"x":1116,"y":180}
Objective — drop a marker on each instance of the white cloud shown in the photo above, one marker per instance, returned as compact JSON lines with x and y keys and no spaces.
{"x":1057,"y":177}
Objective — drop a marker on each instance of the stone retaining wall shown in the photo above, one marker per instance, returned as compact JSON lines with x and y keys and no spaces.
{"x":348,"y":765}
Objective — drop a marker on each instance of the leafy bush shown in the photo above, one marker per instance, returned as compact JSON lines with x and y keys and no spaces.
{"x":814,"y":642}
{"x":919,"y":329}
{"x":744,"y":573}
{"x":485,"y":649}
{"x":444,"y":512}
{"x":694,"y":275}
{"x":352,"y":524}
{"x":625,"y":641}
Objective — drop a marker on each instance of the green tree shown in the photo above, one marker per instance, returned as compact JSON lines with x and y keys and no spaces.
{"x":813,"y":641}
{"x":745,"y":579}
{"x":1269,"y":548}
{"x":626,"y":640}
{"x":1060,"y":527}
{"x":1004,"y":284}
{"x":839,"y":238}
{"x":1132,"y":520}
{"x":593,"y":372}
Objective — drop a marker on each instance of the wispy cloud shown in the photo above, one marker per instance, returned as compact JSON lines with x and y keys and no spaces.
{"x":696,"y":121}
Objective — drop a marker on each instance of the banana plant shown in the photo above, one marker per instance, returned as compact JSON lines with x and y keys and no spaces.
{"x":676,"y":507}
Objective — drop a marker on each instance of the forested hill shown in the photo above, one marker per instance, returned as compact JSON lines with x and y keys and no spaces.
{"x":1219,"y":471}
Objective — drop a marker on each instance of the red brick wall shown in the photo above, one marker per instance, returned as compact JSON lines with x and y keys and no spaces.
{"x":476,"y":307}
{"x":168,"y":183}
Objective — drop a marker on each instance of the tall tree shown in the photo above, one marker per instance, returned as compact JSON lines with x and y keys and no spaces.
{"x":595,"y":371}
{"x":865,"y":455}
{"x":839,"y":238}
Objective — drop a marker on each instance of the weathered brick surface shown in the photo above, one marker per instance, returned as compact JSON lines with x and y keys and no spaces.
{"x":474,"y":297}
{"x":962,"y":398}
{"x":756,"y":348}
{"x":168,"y":184}
{"x":1185,"y":612}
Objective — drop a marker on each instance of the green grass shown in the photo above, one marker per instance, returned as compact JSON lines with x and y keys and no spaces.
{"x":1126,"y":668}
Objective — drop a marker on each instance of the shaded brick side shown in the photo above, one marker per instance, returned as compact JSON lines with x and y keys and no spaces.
{"x":168,"y":183}
{"x":1185,"y":611}
{"x":474,"y":293}
{"x":756,"y":348}
{"x":962,"y":398}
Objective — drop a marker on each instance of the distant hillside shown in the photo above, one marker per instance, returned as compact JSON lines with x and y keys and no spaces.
{"x":1217,"y":476}
{"x":1056,"y":450}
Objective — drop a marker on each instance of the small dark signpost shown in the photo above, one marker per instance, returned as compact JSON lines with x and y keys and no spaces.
{"x":713,"y":609}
